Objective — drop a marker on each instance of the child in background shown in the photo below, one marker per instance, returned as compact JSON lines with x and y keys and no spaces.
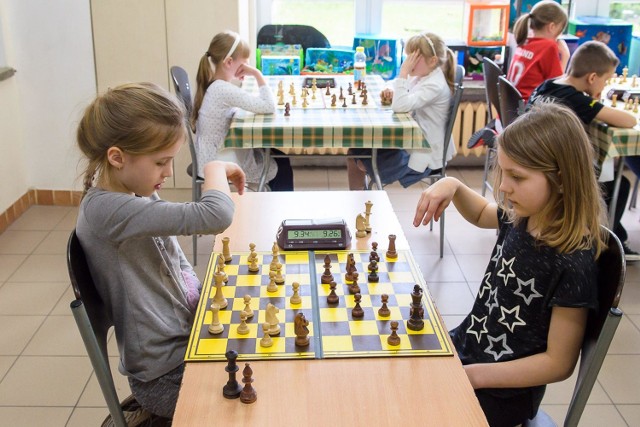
{"x":542,"y":56}
{"x":423,"y":88}
{"x":216,"y":101}
{"x":592,"y":64}
{"x":526,"y":326}
{"x":130,"y":136}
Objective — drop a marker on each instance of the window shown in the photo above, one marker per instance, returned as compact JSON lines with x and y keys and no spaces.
{"x":405,"y":18}
{"x":628,"y":11}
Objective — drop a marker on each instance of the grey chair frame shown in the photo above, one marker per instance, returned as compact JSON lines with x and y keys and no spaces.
{"x":601,"y":328}
{"x":511,"y":102}
{"x":93,"y":321}
{"x":183,"y":90}
{"x":491,"y":71}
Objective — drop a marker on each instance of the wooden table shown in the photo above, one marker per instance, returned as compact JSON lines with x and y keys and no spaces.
{"x":373,"y":391}
{"x":324,"y":128}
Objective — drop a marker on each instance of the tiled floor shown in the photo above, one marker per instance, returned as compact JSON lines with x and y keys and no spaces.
{"x":46,"y":378}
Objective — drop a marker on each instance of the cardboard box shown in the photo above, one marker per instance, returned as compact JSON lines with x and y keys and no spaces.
{"x":279,"y":59}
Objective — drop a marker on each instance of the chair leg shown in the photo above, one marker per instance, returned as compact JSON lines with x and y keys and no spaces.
{"x":195,"y":249}
{"x":485,"y":174}
{"x":634,"y":195}
{"x":442,"y":235}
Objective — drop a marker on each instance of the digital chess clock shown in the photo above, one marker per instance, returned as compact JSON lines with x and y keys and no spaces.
{"x":330,"y":233}
{"x":321,"y":82}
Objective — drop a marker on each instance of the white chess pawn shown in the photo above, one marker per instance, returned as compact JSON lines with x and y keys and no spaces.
{"x":243,"y":328}
{"x":215,"y":327}
{"x":266,"y":340}
{"x":295,"y":298}
{"x":247,"y":306}
{"x":279,"y":278}
{"x":272,"y":287}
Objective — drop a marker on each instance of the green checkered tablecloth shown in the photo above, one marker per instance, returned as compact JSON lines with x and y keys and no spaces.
{"x":615,"y":142}
{"x":330,"y":127}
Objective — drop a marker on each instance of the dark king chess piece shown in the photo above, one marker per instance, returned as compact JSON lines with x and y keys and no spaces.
{"x":415,"y":322}
{"x":232,"y":389}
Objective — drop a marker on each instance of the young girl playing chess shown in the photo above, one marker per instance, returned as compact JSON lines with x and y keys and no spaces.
{"x":130,"y":136}
{"x":423,"y":88}
{"x":526,"y":326}
{"x":216,"y":101}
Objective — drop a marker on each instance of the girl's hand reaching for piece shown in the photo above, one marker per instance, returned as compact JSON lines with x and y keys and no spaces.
{"x":235,"y":175}
{"x":434,"y":200}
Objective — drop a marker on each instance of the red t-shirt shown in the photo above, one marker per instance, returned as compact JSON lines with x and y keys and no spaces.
{"x":534,"y":62}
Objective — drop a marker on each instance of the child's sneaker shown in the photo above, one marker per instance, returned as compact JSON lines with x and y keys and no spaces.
{"x":485,"y":136}
{"x":629,"y":254}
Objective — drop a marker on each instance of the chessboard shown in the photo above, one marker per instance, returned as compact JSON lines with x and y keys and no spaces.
{"x":339,"y":97}
{"x":623,"y":93}
{"x":333,"y":332}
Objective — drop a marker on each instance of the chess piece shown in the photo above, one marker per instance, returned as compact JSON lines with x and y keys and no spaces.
{"x":248,"y":393}
{"x":266,"y":340}
{"x":333,"y":100}
{"x":354,"y":288}
{"x":232,"y":389}
{"x":350,"y":89}
{"x":350,"y":268}
{"x":293,"y":100}
{"x":292,"y":89}
{"x":341,"y":94}
{"x":384,"y":311}
{"x":367,"y":214}
{"x":305,"y":104}
{"x":243,"y":328}
{"x":226,"y":253}
{"x":252,"y":252}
{"x":328,"y":92}
{"x":393,"y":339}
{"x":272,"y":319}
{"x":220,"y":267}
{"x":391,"y":250}
{"x":373,"y":256}
{"x":287,"y":108}
{"x":301,"y":330}
{"x":361,"y":226}
{"x":272,"y":287}
{"x":614,"y":100}
{"x":357,"y":312}
{"x":215,"y":327}
{"x":218,"y":297}
{"x":373,"y":272}
{"x":253,"y":265}
{"x":344,"y":102}
{"x":326,"y":277}
{"x":332,"y":298}
{"x":295,"y":298}
{"x":364,"y":98}
{"x":247,"y":306}
{"x":415,"y":322}
{"x":279,"y":278}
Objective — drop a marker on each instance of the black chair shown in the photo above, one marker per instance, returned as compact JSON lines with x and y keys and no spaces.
{"x":511,"y":103}
{"x":94,"y":321}
{"x":601,"y":327}
{"x":491,"y":72}
{"x":304,"y":35}
{"x":183,"y":90}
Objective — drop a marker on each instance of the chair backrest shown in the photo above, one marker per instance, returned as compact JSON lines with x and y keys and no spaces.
{"x":93,"y":320}
{"x":511,"y":103}
{"x":454,"y":104}
{"x":304,"y":35}
{"x":601,"y":326}
{"x":491,"y":71}
{"x":183,"y":90}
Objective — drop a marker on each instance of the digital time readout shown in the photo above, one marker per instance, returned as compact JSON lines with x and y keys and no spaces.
{"x":314,"y":234}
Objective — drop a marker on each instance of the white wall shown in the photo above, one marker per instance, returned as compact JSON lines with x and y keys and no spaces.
{"x":50,"y":46}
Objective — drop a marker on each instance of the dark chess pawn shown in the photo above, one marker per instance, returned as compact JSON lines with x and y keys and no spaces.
{"x":326,"y":277}
{"x":373,"y":271}
{"x":287,"y":108}
{"x":357,"y":312}
{"x":232,"y":389}
{"x":393,"y":339}
{"x":354,"y":288}
{"x":415,"y":322}
{"x":332,"y":298}
{"x":373,"y":256}
{"x":351,"y":268}
{"x":384,"y":311}
{"x":248,"y":393}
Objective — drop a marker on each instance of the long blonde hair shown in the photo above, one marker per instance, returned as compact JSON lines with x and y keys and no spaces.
{"x":429,"y":44}
{"x":138,"y":118}
{"x":543,"y":13}
{"x":550,"y":138}
{"x":219,"y":49}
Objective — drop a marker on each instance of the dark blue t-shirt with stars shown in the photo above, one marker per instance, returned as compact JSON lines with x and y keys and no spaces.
{"x":522,"y":283}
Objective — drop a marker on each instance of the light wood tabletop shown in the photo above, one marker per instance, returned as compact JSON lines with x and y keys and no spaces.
{"x":374,"y":391}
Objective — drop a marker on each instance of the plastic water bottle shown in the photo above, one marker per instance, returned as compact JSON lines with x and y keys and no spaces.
{"x":359,"y":64}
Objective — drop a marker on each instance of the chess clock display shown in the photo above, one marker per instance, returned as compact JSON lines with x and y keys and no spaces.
{"x":330,"y":233}
{"x":321,"y":82}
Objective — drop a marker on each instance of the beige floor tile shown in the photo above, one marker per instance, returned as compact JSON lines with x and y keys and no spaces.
{"x":20,"y":242}
{"x":54,"y":243}
{"x":68,"y":222}
{"x":83,"y":417}
{"x":465,"y":241}
{"x":561,"y":392}
{"x":310,"y":179}
{"x":451,"y":298}
{"x":630,"y":299}
{"x":631,"y":414}
{"x":42,"y":268}
{"x":338,"y":179}
{"x":9,"y":264}
{"x":41,"y":218}
{"x":452,"y":321}
{"x":35,"y":416}
{"x":45,"y":381}
{"x":92,"y":396}
{"x":626,"y":339}
{"x":556,"y":412}
{"x":436,"y":269}
{"x":62,"y":307}
{"x":601,"y":415}
{"x":473,"y":266}
{"x":620,"y":378}
{"x":58,"y":336}
{"x":635,"y":319}
{"x":16,"y":332}
{"x":32,"y":298}
{"x":175,"y":195}
{"x":5,"y":364}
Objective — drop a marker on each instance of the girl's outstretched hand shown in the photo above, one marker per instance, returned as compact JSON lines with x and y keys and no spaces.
{"x":434,"y":200}
{"x":235,"y":175}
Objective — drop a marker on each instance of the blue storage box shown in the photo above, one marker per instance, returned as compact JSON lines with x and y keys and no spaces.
{"x":616,"y":33}
{"x":382,"y":54}
{"x":279,"y":59}
{"x":328,"y":61}
{"x":634,"y":56}
{"x":525,"y":7}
